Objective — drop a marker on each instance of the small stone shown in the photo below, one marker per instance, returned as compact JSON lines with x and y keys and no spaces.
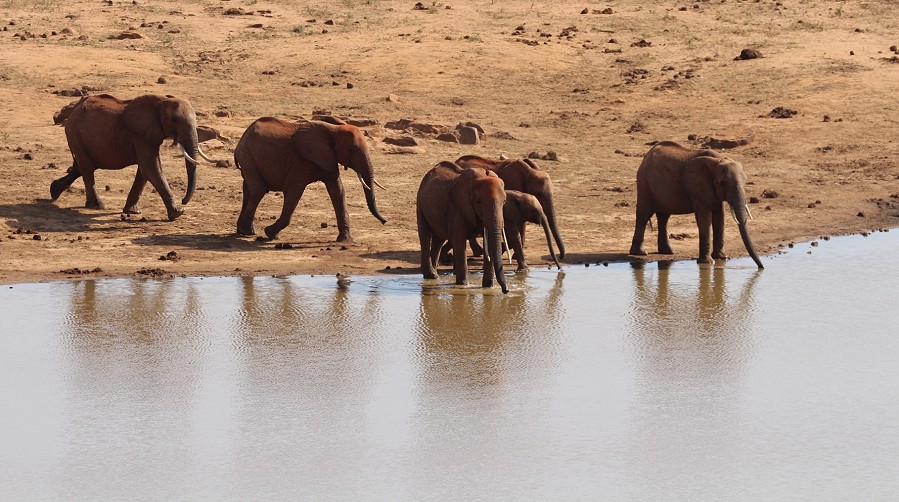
{"x":811,"y":205}
{"x":851,"y":53}
{"x":28,"y":156}
{"x":393,"y":98}
{"x":161,"y":80}
{"x":324,"y":225}
{"x":349,"y":85}
{"x":861,"y":214}
{"x":468,"y":136}
{"x":585,"y":11}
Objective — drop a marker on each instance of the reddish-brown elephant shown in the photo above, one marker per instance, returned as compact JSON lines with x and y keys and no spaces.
{"x":524,"y":176}
{"x":455,"y":204}
{"x":104,"y":132}
{"x":278,"y":156}
{"x":521,"y":208}
{"x":673,"y":179}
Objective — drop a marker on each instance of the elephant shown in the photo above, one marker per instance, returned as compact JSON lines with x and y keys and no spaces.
{"x":455,"y":204}
{"x":104,"y":132}
{"x":276,"y":155}
{"x":519,"y":209}
{"x":673,"y":179}
{"x":524,"y":176}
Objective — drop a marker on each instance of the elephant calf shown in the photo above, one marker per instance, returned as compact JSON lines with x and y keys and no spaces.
{"x":673,"y":179}
{"x":521,"y":208}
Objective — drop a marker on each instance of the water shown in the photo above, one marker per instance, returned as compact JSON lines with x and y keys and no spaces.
{"x":670,"y":382}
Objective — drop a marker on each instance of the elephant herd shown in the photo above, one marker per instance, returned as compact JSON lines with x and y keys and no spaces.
{"x":456,"y":201}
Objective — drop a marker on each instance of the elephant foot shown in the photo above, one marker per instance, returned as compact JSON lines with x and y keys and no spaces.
{"x":174,"y":213}
{"x":719,"y":255}
{"x":487,"y":282}
{"x":638,"y":251}
{"x":705,"y":259}
{"x":430,"y":274}
{"x":131,"y":210}
{"x":345,"y":238}
{"x":271,"y":233}
{"x":522,"y":267}
{"x":665,"y":250}
{"x":57,"y":188}
{"x":95,"y":205}
{"x":246,"y":232}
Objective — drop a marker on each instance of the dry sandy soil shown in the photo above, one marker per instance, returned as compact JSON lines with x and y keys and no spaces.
{"x":596,"y":88}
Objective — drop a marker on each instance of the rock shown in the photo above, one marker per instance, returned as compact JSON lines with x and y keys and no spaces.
{"x":782,"y":113}
{"x":127,"y":35}
{"x":426,"y":128}
{"x":468,"y":135}
{"x":223,"y":163}
{"x":449,"y":137}
{"x":233,"y":11}
{"x":161,"y":80}
{"x":748,"y":54}
{"x":393,"y":98}
{"x":480,"y":129}
{"x":205,"y":133}
{"x":770,"y":194}
{"x":642,"y":43}
{"x":28,"y":156}
{"x":585,"y":11}
{"x":401,"y":141}
{"x":405,"y":150}
{"x":721,"y":143}
{"x":223,"y":113}
{"x":400,"y":124}
{"x":349,"y":85}
{"x":419,"y":6}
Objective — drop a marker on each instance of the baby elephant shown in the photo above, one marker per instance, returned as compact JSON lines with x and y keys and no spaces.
{"x":673,"y":179}
{"x":519,"y":209}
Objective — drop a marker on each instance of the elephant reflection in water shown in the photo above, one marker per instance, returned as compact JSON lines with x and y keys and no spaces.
{"x":467,"y":337}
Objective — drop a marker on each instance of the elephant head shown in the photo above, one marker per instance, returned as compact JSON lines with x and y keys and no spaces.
{"x":327,"y":145}
{"x":721,"y":179}
{"x":479,"y":195}
{"x":155,"y":118}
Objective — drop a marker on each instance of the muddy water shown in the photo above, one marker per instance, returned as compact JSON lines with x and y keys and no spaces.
{"x":657,"y":383}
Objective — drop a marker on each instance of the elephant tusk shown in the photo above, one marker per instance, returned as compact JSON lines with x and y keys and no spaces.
{"x":205,"y":157}
{"x":486,"y":251}
{"x":379,"y":185}
{"x":506,"y":242}
{"x":363,"y":182}
{"x":186,"y":156}
{"x":748,"y":211}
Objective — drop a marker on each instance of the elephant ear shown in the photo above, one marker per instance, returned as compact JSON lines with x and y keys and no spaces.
{"x":462,"y":193}
{"x":314,"y":141}
{"x":141,"y":116}
{"x":701,"y":175}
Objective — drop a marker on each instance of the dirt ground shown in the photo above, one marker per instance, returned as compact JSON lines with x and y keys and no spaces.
{"x":596,"y":82}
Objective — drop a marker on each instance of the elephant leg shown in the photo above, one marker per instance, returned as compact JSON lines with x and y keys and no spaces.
{"x":251,"y":198}
{"x":445,"y":257}
{"x":487,"y":281}
{"x":704,"y":224}
{"x":718,"y":234}
{"x":426,"y":241}
{"x":291,"y":199}
{"x":515,"y":245}
{"x":437,"y":248}
{"x":643,"y":217}
{"x":150,"y":167}
{"x":338,"y":199}
{"x":664,"y":243}
{"x":134,"y":195}
{"x":59,"y":186}
{"x":460,"y":263}
{"x":476,"y":249}
{"x":90,"y":189}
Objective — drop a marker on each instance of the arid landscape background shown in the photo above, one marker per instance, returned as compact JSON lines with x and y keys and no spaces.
{"x":594,"y":82}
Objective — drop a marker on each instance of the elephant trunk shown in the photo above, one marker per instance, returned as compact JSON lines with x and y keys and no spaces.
{"x":366,"y":175}
{"x":187,"y":138}
{"x":738,"y":206}
{"x":549,"y":242}
{"x":494,"y":244}
{"x":550,"y":212}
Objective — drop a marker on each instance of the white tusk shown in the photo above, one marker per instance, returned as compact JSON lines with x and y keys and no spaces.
{"x":186,"y":156}
{"x":732,"y":213}
{"x":486,"y":251}
{"x":363,"y":182}
{"x":203,"y":154}
{"x":506,"y":242}
{"x":379,"y":185}
{"x":748,"y":212}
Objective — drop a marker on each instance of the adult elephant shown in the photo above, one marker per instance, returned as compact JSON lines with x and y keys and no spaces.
{"x":278,"y":156}
{"x":104,"y":132}
{"x":673,"y":179}
{"x":524,"y":176}
{"x":521,"y":208}
{"x":454,"y":204}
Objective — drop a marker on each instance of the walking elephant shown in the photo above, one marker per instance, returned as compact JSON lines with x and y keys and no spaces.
{"x":524,"y":176}
{"x":275,"y":155}
{"x":673,"y":179}
{"x":104,"y":132}
{"x":455,"y":204}
{"x":521,"y":208}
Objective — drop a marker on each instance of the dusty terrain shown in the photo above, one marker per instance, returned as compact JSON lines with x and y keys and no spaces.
{"x":595,"y":87}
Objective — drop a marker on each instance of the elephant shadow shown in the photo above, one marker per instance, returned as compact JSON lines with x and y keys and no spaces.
{"x":214,"y":242}
{"x":44,"y":216}
{"x":587,"y":258}
{"x":409,"y":257}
